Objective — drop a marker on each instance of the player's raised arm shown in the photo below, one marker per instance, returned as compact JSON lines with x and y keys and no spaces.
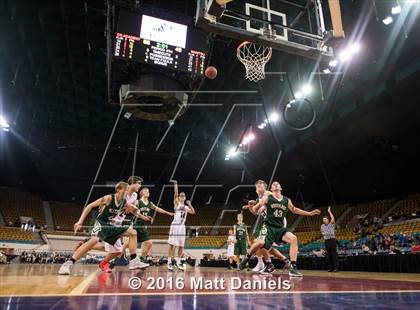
{"x":191,"y":209}
{"x":298,"y":211}
{"x":260,"y":203}
{"x":331,"y":215}
{"x":175,"y":192}
{"x":249,"y":206}
{"x":98,"y":202}
{"x":160,"y":210}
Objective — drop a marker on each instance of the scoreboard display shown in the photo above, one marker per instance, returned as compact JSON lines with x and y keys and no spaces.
{"x":160,"y":42}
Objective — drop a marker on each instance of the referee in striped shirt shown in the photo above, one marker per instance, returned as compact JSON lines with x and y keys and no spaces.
{"x":328,"y":232}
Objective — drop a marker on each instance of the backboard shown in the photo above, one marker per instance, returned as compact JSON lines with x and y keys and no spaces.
{"x":292,"y":26}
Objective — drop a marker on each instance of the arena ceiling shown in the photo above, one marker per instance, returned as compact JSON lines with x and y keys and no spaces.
{"x":55,"y":92}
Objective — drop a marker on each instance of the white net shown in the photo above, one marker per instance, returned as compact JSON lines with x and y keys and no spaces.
{"x":254,"y":57}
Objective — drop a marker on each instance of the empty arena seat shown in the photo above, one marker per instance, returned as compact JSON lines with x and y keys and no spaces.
{"x":65,"y":214}
{"x":409,"y":205}
{"x":11,"y":234}
{"x":313,"y":223}
{"x":15,"y":203}
{"x":372,"y":209}
{"x":207,"y":242}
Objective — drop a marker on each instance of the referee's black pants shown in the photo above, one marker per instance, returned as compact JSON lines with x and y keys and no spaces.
{"x":332,"y":258}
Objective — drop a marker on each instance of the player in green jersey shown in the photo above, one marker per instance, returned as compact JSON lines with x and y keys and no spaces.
{"x":240,"y":231}
{"x":104,"y":230}
{"x":264,"y":264}
{"x":145,"y":207}
{"x":273,"y":227}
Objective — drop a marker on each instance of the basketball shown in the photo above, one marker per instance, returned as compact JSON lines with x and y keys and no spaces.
{"x":211,"y":72}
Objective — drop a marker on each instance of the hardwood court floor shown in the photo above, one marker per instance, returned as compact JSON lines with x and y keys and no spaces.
{"x":39,"y":287}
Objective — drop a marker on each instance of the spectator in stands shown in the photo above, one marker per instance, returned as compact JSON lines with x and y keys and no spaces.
{"x":319,"y":253}
{"x":328,"y":232}
{"x":3,"y":258}
{"x":365,"y":249}
{"x":394,"y":250}
{"x":415,"y":249}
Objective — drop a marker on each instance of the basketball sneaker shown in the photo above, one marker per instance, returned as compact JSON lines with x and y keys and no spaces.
{"x":293,"y":272}
{"x":65,"y":268}
{"x":259,"y":267}
{"x":269,"y":268}
{"x":170,"y":266}
{"x":104,"y":266}
{"x":287,"y":265}
{"x":137,"y":264}
{"x":180,"y":266}
{"x":244,"y":263}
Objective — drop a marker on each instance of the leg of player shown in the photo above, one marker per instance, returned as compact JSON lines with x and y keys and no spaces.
{"x":260,"y":265}
{"x":179,"y":263}
{"x":268,"y":265}
{"x":104,"y":264}
{"x":254,"y":248}
{"x":281,"y":257}
{"x":80,"y":252}
{"x":113,"y":252}
{"x":292,"y":240}
{"x":135,"y":262}
{"x":170,"y":256}
{"x":146,"y":247}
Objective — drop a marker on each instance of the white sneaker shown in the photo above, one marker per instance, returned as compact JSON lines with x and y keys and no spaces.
{"x":170,"y":266}
{"x":259,"y":267}
{"x":65,"y":268}
{"x":137,"y":264}
{"x":180,"y":266}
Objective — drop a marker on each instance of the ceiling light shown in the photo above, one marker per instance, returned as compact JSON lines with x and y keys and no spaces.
{"x":326,"y":71}
{"x":306,"y":89}
{"x":3,"y":122}
{"x":232,"y":152}
{"x":388,"y":20}
{"x":333,"y":63}
{"x":354,"y":48}
{"x":344,"y":56}
{"x":396,"y":9}
{"x":298,"y":95}
{"x":274,"y":117}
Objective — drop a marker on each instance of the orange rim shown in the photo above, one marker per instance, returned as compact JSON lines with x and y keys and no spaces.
{"x":270,"y":50}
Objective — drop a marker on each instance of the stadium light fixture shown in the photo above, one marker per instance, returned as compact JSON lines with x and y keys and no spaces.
{"x":4,"y":124}
{"x":274,"y":117}
{"x":248,"y":138}
{"x":354,"y":48}
{"x":345,"y":56}
{"x":306,"y":89}
{"x":232,"y":152}
{"x":396,"y":9}
{"x":333,"y":63}
{"x":388,"y":20}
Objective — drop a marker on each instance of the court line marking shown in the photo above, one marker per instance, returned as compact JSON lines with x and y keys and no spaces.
{"x":83,"y":286}
{"x":211,"y":293}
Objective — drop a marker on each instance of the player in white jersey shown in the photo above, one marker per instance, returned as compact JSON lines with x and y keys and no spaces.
{"x":231,"y":248}
{"x":177,"y":231}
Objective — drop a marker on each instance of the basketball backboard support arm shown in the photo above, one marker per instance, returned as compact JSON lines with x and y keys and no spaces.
{"x":287,"y":39}
{"x":337,"y":23}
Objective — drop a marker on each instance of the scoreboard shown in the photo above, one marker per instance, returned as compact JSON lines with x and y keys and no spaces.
{"x":160,"y":42}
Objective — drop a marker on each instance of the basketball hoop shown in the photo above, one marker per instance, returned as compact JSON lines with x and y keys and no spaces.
{"x":254,"y":57}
